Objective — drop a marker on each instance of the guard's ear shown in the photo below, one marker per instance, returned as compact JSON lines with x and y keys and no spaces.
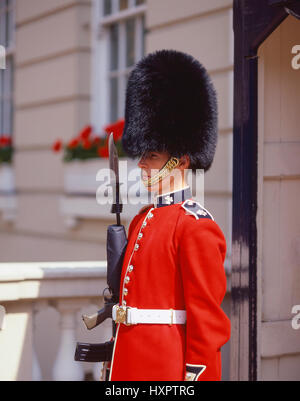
{"x":184,"y":162}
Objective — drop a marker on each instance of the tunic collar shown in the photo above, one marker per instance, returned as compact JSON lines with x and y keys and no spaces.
{"x":170,"y":198}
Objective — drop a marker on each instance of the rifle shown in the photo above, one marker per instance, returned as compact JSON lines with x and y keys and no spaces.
{"x":115,"y":247}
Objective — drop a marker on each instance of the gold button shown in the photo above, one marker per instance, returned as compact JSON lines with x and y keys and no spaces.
{"x":125,"y":291}
{"x":130,"y":268}
{"x":127,"y":279}
{"x":140,"y":235}
{"x":136,"y":247}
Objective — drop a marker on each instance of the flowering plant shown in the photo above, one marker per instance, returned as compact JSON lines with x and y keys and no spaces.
{"x":6,"y":149}
{"x":88,"y":145}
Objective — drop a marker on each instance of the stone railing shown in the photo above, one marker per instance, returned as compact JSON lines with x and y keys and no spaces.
{"x":42,"y":304}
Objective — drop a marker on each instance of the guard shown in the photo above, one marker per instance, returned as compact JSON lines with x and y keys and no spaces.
{"x":170,"y":325}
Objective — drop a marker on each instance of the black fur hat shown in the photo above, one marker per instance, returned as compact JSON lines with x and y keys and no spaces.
{"x":171,"y":106}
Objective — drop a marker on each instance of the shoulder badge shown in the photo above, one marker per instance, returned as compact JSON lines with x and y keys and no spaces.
{"x":198,"y":211}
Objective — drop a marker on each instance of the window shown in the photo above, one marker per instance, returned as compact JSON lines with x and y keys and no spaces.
{"x":6,"y":75}
{"x":118,"y":43}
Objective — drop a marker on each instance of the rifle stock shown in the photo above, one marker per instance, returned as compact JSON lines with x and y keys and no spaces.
{"x":86,"y":352}
{"x":92,"y":321}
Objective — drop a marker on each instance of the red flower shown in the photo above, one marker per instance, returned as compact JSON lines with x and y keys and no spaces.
{"x":86,"y":132}
{"x":96,"y":140}
{"x":117,"y":129}
{"x":103,"y":151}
{"x":56,"y":147}
{"x":5,"y":140}
{"x":86,"y":144}
{"x":73,"y":143}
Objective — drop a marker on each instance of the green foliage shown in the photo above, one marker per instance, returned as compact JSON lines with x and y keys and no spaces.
{"x":6,"y":153}
{"x":80,"y":153}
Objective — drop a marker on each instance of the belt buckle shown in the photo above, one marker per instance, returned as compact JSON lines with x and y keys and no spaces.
{"x":121,"y":315}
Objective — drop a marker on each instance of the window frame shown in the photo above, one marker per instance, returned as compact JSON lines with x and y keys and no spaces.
{"x":10,"y":55}
{"x":100,"y":82}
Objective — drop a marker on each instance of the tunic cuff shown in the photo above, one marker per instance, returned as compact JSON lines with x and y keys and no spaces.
{"x":193,"y":372}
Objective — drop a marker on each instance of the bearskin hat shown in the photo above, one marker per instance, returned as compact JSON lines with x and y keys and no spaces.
{"x":171,"y":106}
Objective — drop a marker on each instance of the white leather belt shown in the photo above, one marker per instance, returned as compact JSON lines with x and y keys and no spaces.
{"x":129,"y":315}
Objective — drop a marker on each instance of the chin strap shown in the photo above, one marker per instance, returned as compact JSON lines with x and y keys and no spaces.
{"x":163,"y":172}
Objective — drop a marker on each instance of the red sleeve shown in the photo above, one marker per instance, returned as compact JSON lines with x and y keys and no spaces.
{"x":202,"y":250}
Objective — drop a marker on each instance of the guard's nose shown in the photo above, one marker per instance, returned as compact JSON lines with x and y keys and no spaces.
{"x":142,"y":163}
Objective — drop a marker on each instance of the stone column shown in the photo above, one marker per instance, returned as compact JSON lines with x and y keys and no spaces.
{"x":65,"y":368}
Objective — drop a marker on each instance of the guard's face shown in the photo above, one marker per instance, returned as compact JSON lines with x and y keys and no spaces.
{"x":151,"y":162}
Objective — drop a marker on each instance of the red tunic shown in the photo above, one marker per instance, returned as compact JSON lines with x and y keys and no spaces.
{"x":179,"y":264}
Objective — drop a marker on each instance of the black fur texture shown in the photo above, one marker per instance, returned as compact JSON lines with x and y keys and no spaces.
{"x":171,"y":105}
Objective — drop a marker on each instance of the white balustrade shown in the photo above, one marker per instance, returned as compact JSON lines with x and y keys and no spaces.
{"x":36,"y":369}
{"x":65,"y":368}
{"x":2,"y":316}
{"x":26,"y":291}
